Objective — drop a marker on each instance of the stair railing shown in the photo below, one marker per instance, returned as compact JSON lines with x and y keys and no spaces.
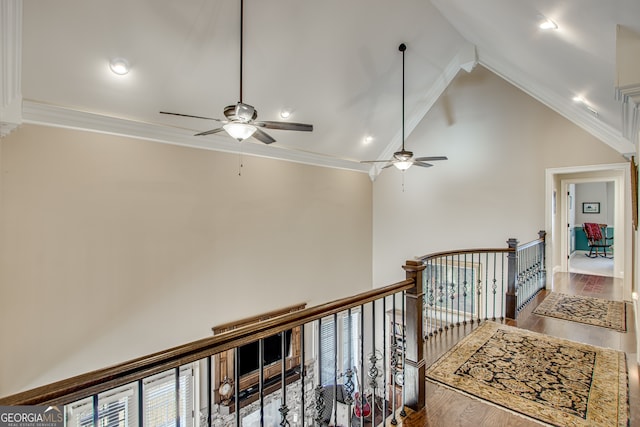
{"x":374,"y":370}
{"x":472,"y":285}
{"x":301,"y":396}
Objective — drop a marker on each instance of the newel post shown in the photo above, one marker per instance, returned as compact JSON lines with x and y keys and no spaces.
{"x":414,"y":368}
{"x":543,"y":236}
{"x":511,"y":303}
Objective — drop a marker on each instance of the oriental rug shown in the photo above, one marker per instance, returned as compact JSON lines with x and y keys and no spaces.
{"x":551,"y":380}
{"x":583,"y":309}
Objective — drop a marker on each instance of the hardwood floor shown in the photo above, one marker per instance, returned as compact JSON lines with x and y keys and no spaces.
{"x":448,"y":408}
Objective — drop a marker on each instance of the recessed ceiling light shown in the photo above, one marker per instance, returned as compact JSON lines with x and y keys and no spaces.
{"x":547,"y":24}
{"x":368,"y":139}
{"x":119,"y":66}
{"x":285,"y":113}
{"x":580,"y":100}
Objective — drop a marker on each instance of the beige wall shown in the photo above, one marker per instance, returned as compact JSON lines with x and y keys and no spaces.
{"x":114,"y":247}
{"x":499,"y":142}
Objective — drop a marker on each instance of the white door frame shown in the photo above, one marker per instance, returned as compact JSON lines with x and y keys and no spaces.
{"x":558,"y":179}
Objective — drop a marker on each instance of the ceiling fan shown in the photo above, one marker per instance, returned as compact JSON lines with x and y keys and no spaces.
{"x":404,"y":159}
{"x":240,"y":122}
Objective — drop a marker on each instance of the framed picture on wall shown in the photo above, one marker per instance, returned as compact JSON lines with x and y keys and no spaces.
{"x":591,"y":207}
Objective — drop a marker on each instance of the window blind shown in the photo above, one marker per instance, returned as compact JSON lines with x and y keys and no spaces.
{"x":348,"y":351}
{"x":116,"y":408}
{"x":159,"y":399}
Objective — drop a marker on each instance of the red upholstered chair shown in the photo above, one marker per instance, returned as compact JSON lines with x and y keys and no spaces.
{"x":597,"y":239}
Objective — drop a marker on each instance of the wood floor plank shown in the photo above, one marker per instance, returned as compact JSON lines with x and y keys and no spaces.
{"x":447,"y":408}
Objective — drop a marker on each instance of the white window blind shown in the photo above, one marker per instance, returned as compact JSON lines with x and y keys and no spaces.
{"x":348,"y":351}
{"x":159,"y":399}
{"x":116,"y":408}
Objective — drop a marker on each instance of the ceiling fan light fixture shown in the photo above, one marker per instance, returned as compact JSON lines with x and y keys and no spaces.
{"x":239,"y":131}
{"x":403,"y":165}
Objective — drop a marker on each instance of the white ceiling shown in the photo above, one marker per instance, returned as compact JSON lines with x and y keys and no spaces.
{"x":335,"y":63}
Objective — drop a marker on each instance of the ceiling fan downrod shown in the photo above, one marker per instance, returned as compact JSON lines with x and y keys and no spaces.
{"x":402,"y":48}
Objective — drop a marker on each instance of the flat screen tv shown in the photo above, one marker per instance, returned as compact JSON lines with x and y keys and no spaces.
{"x":248,"y":353}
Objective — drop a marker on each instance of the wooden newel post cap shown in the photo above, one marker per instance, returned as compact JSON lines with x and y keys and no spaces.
{"x":413,"y":265}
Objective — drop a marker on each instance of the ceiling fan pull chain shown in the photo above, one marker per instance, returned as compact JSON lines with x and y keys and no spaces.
{"x":241,"y":159}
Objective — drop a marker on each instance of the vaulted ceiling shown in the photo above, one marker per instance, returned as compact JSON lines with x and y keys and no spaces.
{"x":332,"y":63}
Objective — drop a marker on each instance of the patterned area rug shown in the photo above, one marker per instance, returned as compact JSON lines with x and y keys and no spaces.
{"x":589,"y":310}
{"x":558,"y":382}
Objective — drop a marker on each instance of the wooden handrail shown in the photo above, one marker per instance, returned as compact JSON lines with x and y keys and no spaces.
{"x":530,"y":244}
{"x":83,"y":385}
{"x":424,"y":258}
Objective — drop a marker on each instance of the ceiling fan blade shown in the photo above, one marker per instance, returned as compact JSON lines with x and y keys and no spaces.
{"x":284,"y":126}
{"x":189,"y":115}
{"x":430,"y":159}
{"x":424,"y":165}
{"x":263,"y":136}
{"x":388,"y":166}
{"x":209,"y":132}
{"x":374,"y":161}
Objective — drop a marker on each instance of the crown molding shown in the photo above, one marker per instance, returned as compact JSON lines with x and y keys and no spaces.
{"x":10,"y":65}
{"x":629,"y":97}
{"x":55,"y":116}
{"x":605,"y":133}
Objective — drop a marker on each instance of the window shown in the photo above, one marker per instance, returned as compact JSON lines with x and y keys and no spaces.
{"x":119,"y":407}
{"x":348,"y":351}
{"x":159,"y":398}
{"x":116,"y":408}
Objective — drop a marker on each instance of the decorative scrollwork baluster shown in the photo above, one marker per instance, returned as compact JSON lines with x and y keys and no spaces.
{"x":283,"y":415}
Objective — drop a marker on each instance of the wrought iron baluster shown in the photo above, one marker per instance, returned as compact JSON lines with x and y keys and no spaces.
{"x":284,"y":409}
{"x":177,"y":378}
{"x":96,"y":408}
{"x":384,"y":355}
{"x":349,"y":386}
{"x":494,"y":286}
{"x":303,"y":375}
{"x":373,"y":369}
{"x":478,"y":288}
{"x":141,"y":404}
{"x":458,"y":270}
{"x":335,"y":366}
{"x":451,"y":294}
{"x":261,"y":379}
{"x":361,"y":370}
{"x":320,"y":404}
{"x":465,"y":294}
{"x":441,"y":297}
{"x":209,"y":394}
{"x":393,"y":361}
{"x":432,"y":299}
{"x":404,"y":352}
{"x":236,"y":382}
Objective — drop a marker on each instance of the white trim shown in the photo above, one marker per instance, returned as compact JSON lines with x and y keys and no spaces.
{"x":10,"y":65}
{"x":619,"y":173}
{"x":559,"y":104}
{"x":56,"y":116}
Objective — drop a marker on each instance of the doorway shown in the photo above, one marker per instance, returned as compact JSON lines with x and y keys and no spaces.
{"x":590,"y":202}
{"x":558,"y":215}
